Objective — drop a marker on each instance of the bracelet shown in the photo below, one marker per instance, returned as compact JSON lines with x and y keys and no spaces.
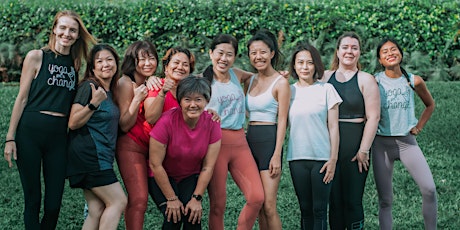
{"x":12,"y":140}
{"x":417,"y":129}
{"x":172,"y":198}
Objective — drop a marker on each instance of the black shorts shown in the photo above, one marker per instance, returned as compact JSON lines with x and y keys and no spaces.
{"x":93,"y":179}
{"x":262,"y":141}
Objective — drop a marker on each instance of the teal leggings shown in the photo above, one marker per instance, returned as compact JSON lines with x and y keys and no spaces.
{"x":41,"y":140}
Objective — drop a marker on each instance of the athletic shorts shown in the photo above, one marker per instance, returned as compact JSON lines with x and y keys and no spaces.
{"x":93,"y":179}
{"x":262,"y":141}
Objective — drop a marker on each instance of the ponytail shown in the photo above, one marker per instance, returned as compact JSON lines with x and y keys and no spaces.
{"x":209,"y":73}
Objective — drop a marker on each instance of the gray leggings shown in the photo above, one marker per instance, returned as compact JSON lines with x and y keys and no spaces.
{"x":385,"y":151}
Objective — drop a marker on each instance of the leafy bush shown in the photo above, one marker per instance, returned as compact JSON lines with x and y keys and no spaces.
{"x":426,"y":30}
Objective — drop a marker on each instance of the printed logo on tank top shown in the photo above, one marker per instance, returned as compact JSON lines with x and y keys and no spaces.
{"x":226,"y":102}
{"x":62,"y":76}
{"x":397,"y":98}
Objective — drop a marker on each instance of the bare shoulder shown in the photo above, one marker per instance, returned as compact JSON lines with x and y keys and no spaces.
{"x":283,"y":82}
{"x":418,"y":80}
{"x":242,"y":75}
{"x":34,"y":57}
{"x":282,"y":85}
{"x":125,"y":81}
{"x":32,"y":63}
{"x":327,"y":75}
{"x":366,"y":78}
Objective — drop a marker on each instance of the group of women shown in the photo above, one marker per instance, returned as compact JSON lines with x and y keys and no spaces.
{"x":168,"y":146}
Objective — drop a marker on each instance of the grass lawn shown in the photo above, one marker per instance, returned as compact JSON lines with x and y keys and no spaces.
{"x":439,"y":142}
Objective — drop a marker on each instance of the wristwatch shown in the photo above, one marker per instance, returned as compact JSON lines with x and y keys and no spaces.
{"x":197,"y":197}
{"x":92,"y":107}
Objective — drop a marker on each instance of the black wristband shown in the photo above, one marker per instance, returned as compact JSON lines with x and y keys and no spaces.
{"x":12,"y":140}
{"x":92,"y":107}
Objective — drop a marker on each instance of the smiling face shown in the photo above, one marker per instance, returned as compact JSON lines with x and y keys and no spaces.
{"x":304,"y":66}
{"x":222,"y":57}
{"x":66,"y":32}
{"x":146,"y":63}
{"x":193,"y":105}
{"x":260,"y":55}
{"x":178,"y":67}
{"x":105,"y":65}
{"x":390,"y":55}
{"x":349,"y":51}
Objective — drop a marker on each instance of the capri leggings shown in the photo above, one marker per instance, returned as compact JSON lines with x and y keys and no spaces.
{"x":346,"y":206}
{"x":131,"y":159}
{"x":42,"y":139}
{"x":235,"y":156}
{"x":312,"y":193}
{"x":386,"y":150}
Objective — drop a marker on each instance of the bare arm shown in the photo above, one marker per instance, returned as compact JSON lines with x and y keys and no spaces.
{"x":154,"y":105}
{"x":424,"y":94}
{"x":129,"y":98}
{"x":371,"y":95}
{"x":333,"y":127}
{"x":283,"y":95}
{"x":242,"y":74}
{"x":80,"y":114}
{"x":153,"y":108}
{"x":208,"y":167}
{"x":209,"y":161}
{"x":157,"y":153}
{"x":327,"y":75}
{"x":30,"y":69}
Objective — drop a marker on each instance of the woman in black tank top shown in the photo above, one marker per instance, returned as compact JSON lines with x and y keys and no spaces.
{"x":358,"y":119}
{"x":48,"y":81}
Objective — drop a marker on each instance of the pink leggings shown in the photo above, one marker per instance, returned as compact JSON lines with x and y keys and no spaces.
{"x":131,"y":159}
{"x":385,"y":151}
{"x":235,"y":156}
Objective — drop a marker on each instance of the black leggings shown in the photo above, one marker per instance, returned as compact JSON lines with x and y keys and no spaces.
{"x":42,"y":139}
{"x":346,"y":206}
{"x":312,"y":193}
{"x":184,"y":191}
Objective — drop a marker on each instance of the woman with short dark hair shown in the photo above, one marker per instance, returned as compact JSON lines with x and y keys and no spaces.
{"x":184,"y":146}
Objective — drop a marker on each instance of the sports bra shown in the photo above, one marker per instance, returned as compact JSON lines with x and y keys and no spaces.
{"x":262,"y":107}
{"x":353,"y":101}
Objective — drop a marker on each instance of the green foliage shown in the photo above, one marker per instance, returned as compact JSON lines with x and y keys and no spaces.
{"x":424,"y":27}
{"x":438,"y":141}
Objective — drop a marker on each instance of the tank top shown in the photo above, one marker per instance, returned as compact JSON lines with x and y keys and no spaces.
{"x":228,"y":101}
{"x":397,"y":107}
{"x":54,"y":87}
{"x":137,"y":133}
{"x":353,"y":101}
{"x":262,"y":107}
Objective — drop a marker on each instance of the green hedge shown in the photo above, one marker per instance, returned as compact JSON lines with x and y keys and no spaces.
{"x":427,"y":31}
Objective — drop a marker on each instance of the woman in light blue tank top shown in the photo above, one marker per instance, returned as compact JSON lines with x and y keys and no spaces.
{"x":234,"y":156}
{"x":396,"y":133}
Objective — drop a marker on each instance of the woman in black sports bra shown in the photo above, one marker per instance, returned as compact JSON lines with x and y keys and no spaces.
{"x":359,"y":114}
